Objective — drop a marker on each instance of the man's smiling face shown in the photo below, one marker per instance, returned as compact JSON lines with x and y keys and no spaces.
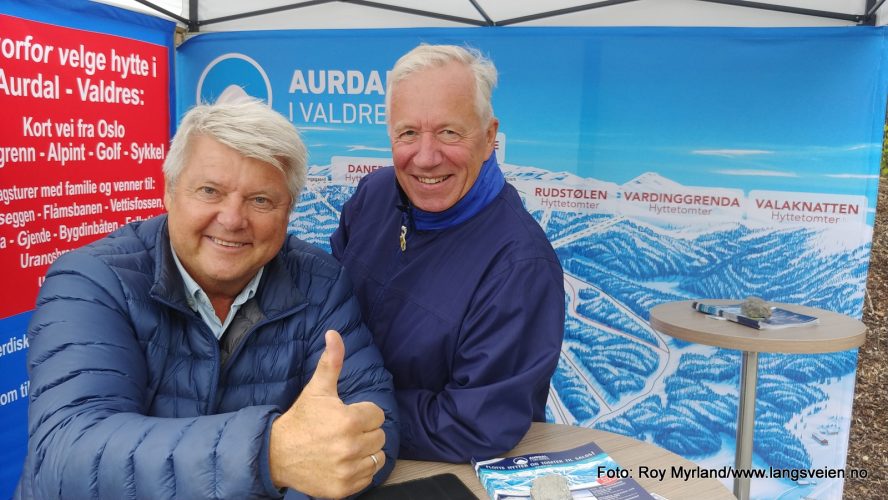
{"x":227,"y":216}
{"x":438,"y":139}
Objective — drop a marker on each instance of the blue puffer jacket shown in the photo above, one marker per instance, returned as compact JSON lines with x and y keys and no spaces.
{"x":129,"y":398}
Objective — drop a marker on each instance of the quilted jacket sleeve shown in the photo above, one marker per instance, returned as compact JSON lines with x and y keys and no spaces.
{"x":89,"y":436}
{"x":363,"y":376}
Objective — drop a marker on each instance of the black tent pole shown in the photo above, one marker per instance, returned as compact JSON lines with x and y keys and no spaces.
{"x":163,"y":11}
{"x":193,"y":21}
{"x":872,"y":6}
{"x":792,"y":10}
{"x":365,"y":3}
{"x":560,"y":12}
{"x":417,"y":12}
{"x":487,"y":18}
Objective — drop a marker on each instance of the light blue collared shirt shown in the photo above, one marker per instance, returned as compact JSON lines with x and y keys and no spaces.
{"x":200,"y":303}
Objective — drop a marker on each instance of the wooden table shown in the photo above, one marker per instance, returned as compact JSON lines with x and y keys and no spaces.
{"x":627,"y":452}
{"x":834,"y":332}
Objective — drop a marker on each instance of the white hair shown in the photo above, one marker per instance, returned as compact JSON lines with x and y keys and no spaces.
{"x":426,"y":56}
{"x":250,"y":127}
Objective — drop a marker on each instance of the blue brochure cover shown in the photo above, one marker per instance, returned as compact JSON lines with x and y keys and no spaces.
{"x":780,"y":318}
{"x":589,"y":471}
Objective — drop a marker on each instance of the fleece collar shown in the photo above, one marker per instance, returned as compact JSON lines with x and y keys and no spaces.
{"x":487,"y":186}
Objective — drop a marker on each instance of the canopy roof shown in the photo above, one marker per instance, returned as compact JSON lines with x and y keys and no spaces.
{"x":233,"y":15}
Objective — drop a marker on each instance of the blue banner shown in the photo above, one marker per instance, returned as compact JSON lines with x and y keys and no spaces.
{"x":664,"y":164}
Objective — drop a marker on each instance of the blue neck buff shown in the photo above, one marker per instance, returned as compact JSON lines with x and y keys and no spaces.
{"x":487,"y":186}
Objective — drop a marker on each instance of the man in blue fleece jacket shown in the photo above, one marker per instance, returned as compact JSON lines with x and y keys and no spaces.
{"x":205,"y":353}
{"x":458,"y":283}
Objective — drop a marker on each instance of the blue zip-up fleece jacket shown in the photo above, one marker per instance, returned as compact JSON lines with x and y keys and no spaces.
{"x":469,"y":318}
{"x":130,"y":397}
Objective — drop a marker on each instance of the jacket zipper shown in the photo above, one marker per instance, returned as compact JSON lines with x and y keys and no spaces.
{"x":222,"y":372}
{"x":405,"y":223}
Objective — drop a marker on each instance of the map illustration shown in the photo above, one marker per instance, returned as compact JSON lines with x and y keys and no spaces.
{"x":618,"y":374}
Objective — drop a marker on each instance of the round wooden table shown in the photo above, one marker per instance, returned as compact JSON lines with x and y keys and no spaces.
{"x":629,"y":453}
{"x":833,"y":332}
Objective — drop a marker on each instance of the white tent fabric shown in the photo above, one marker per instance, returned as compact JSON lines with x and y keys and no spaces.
{"x":223,"y":15}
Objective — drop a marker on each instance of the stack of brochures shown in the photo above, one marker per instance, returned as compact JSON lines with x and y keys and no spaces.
{"x":589,"y":471}
{"x":780,"y":318}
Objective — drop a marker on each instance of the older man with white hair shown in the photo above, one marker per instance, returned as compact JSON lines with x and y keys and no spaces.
{"x":457,"y":282}
{"x":205,"y":353}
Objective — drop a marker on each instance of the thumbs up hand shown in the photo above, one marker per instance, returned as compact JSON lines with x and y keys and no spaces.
{"x":321,"y":446}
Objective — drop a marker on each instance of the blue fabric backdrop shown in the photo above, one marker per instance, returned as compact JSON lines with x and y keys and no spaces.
{"x":664,"y":164}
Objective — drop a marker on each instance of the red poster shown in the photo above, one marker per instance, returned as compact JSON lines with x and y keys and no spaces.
{"x":84,"y":132}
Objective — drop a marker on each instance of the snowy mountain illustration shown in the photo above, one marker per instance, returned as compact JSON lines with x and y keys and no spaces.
{"x":618,"y":374}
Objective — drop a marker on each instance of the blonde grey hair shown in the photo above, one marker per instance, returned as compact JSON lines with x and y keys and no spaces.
{"x":426,"y":56}
{"x":250,"y":127}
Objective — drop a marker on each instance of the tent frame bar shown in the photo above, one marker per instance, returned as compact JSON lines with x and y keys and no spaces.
{"x":487,"y":19}
{"x":792,"y":10}
{"x":194,"y":24}
{"x":242,"y":15}
{"x":365,"y":3}
{"x":193,"y":9}
{"x":871,"y":7}
{"x":153,"y":6}
{"x":560,"y":12}
{"x":407,"y":10}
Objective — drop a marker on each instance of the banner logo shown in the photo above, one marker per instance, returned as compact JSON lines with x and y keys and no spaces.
{"x":233,"y":69}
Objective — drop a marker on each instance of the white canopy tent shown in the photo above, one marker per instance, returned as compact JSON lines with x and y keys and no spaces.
{"x":229,"y":15}
{"x":204,"y":16}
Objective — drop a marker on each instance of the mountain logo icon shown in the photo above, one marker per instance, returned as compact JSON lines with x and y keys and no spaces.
{"x":233,"y":69}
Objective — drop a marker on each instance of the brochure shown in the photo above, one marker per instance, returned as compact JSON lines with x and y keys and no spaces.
{"x":780,"y":318}
{"x":590,"y":473}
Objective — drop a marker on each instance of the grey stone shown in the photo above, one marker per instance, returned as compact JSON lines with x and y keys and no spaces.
{"x":550,"y":487}
{"x":756,"y":308}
